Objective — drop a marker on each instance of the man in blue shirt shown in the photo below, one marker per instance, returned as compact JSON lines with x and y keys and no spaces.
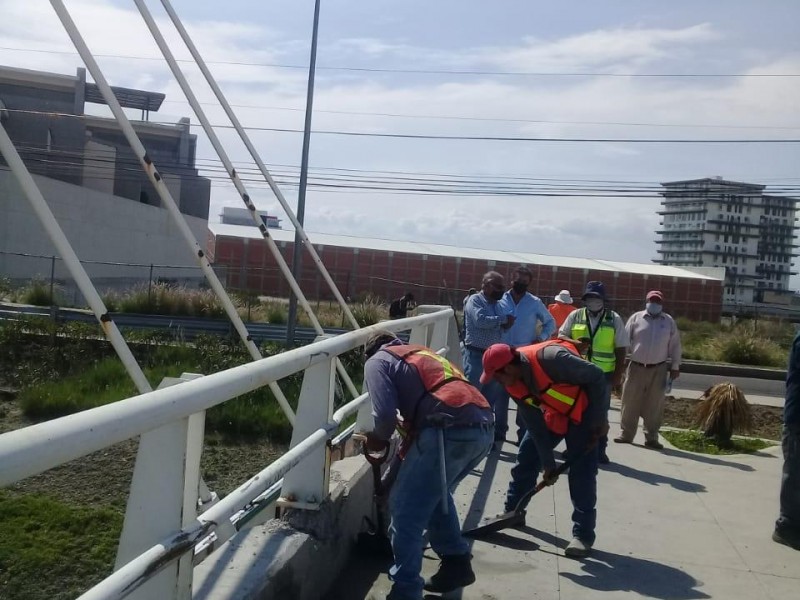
{"x":528,"y":311}
{"x":787,"y":527}
{"x":485,"y":318}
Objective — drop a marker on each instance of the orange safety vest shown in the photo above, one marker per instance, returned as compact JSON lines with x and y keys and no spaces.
{"x":559,"y":313}
{"x":441,"y":378}
{"x":561,"y":403}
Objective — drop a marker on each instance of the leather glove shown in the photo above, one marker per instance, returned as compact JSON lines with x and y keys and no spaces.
{"x":549,"y":477}
{"x":376,"y":450}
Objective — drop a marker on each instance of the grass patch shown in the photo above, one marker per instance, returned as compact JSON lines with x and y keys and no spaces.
{"x":104,"y":382}
{"x":695,"y":441}
{"x":756,"y":343}
{"x":53,"y":551}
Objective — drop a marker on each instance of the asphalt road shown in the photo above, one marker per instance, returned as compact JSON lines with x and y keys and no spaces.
{"x":758,"y":391}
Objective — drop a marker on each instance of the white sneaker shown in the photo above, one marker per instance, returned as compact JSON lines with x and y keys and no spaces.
{"x":577,"y":549}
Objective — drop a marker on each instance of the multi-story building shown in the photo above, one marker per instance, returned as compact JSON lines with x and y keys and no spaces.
{"x":93,"y":183}
{"x":713,"y":222}
{"x":231,"y":215}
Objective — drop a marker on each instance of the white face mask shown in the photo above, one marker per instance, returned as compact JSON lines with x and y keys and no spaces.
{"x":653,"y":308}
{"x":594,"y":304}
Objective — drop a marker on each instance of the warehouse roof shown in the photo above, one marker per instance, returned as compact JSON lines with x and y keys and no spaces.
{"x":346,"y":241}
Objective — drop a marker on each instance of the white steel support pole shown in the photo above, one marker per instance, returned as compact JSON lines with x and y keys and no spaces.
{"x":306,"y":485}
{"x":163,"y":192}
{"x":257,"y":158}
{"x":163,"y":499}
{"x":237,"y":182}
{"x":60,"y":241}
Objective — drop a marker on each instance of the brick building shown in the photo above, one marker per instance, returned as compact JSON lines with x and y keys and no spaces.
{"x":441,"y":274}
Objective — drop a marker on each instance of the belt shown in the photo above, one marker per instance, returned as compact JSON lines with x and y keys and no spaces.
{"x":650,"y":365}
{"x":475,"y":348}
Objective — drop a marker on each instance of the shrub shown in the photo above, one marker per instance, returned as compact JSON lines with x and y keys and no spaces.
{"x":372,"y":310}
{"x":37,"y":293}
{"x":743,"y":350}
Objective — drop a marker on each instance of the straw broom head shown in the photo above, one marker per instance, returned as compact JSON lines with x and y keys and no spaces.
{"x":722,"y":410}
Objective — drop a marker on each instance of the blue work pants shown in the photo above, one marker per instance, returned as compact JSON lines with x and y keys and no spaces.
{"x":493,"y":391}
{"x":416,"y":502}
{"x":788,"y":523}
{"x":582,"y":477}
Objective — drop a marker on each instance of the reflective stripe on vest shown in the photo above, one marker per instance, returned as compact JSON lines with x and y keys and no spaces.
{"x":561,"y":402}
{"x":440,"y":378}
{"x":603,"y":343}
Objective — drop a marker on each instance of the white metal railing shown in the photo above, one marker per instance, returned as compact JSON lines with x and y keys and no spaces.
{"x":172,"y":541}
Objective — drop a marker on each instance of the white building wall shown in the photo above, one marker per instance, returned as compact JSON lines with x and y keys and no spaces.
{"x":100,"y":227}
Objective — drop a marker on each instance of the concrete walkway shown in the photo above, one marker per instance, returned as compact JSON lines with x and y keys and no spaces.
{"x":671,"y":525}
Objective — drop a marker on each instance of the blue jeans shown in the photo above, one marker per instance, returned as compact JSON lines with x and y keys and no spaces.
{"x":415,"y":503}
{"x":582,"y":478}
{"x":788,"y":523}
{"x":493,"y":391}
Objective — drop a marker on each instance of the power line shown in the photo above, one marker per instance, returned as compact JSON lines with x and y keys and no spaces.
{"x":485,"y":138}
{"x":496,"y":119}
{"x":465,"y":72}
{"x":212,"y":168}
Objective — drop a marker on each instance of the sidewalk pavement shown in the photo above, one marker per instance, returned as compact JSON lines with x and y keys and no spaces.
{"x":671,"y":525}
{"x":758,"y":399}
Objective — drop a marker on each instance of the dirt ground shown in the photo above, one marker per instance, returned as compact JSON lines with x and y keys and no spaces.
{"x":767,"y":420}
{"x":103,"y":478}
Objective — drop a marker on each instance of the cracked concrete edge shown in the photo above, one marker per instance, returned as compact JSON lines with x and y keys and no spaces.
{"x":298,"y":556}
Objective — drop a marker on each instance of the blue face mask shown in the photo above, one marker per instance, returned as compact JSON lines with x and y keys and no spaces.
{"x":653,"y":308}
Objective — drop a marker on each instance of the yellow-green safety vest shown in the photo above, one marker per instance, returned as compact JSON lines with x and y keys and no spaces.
{"x":602,"y":350}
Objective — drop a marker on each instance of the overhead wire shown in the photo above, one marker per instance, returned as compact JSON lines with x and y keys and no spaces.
{"x":409,"y":71}
{"x":489,"y":138}
{"x":113,"y":167}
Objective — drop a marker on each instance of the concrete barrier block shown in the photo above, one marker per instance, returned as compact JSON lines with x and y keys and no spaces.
{"x":298,"y":556}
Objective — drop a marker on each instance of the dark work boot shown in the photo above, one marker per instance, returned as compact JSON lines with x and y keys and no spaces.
{"x":454,"y":572}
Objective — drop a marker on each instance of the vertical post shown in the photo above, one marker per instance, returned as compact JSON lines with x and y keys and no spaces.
{"x":150,"y":289}
{"x":297,"y":255}
{"x":306,"y":485}
{"x":52,"y":279}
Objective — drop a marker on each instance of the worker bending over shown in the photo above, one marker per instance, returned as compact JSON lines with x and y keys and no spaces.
{"x":559,"y":396}
{"x":440,"y":410}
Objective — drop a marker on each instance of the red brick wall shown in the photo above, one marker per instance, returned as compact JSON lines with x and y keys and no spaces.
{"x":437,"y":279}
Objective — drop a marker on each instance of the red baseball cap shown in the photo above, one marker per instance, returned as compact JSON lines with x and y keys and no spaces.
{"x":495,"y":358}
{"x":655,"y":294}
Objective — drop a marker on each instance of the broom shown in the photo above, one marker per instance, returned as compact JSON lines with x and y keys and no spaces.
{"x":723,"y":409}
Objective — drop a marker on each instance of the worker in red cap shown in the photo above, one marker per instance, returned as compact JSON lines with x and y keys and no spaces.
{"x":559,"y":396}
{"x":655,"y":362}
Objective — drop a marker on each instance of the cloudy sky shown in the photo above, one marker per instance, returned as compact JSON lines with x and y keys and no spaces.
{"x":534,"y":68}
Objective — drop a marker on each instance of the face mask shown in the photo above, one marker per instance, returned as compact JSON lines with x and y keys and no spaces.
{"x":653,"y":308}
{"x":520,"y":287}
{"x":496,"y":294}
{"x":594,"y":304}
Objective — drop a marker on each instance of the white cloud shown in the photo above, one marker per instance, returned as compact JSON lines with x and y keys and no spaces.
{"x":605,"y":228}
{"x":615,"y":49}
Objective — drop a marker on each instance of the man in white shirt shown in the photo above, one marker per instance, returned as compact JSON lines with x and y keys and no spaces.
{"x":655,"y":340}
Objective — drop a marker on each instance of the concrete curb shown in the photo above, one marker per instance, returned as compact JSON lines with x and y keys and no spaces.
{"x":729,"y":370}
{"x":297,"y":557}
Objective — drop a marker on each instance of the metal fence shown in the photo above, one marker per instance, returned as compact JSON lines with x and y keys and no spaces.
{"x":153,"y":560}
{"x":20,"y":269}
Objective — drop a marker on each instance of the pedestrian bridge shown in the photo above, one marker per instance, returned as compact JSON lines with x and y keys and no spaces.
{"x":670,"y":525}
{"x":173,"y":524}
